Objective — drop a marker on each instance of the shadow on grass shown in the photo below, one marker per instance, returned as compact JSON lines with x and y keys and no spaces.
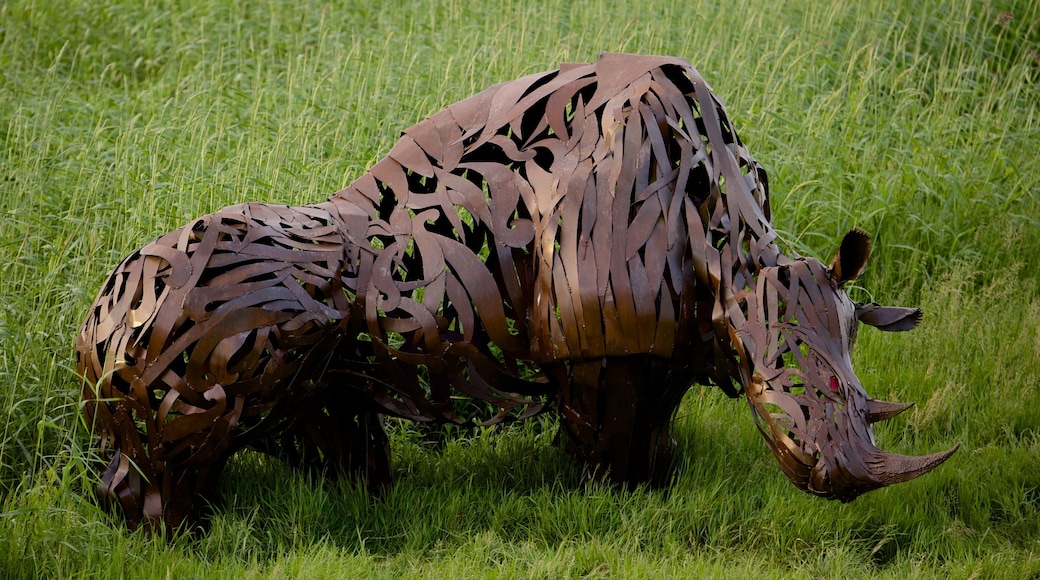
{"x":514,"y":480}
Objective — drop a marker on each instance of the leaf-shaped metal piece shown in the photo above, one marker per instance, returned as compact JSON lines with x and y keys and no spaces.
{"x":595,"y":238}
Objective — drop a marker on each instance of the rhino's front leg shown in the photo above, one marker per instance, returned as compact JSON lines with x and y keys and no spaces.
{"x":617,"y":414}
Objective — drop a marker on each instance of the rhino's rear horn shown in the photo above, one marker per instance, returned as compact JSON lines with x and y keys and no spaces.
{"x":889,"y":468}
{"x":882,"y":410}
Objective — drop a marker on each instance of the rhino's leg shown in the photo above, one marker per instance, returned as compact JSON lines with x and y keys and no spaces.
{"x":158,"y":486}
{"x":188,"y":491}
{"x":617,"y":413}
{"x":338,"y":437}
{"x":171,"y":484}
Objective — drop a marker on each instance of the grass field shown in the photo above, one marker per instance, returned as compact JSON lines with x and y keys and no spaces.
{"x":915,"y":120}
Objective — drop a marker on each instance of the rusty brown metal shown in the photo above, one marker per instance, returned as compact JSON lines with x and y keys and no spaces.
{"x":595,"y":238}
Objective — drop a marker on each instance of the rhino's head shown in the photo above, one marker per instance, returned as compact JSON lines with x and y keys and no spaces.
{"x":808,"y":402}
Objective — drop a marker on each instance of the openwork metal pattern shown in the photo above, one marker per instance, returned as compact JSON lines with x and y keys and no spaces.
{"x":594,"y":238}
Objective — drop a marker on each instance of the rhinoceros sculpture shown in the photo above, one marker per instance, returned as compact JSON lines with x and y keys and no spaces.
{"x":593,"y":239}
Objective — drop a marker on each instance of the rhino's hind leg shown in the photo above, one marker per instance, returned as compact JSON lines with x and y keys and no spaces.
{"x":617,"y":414}
{"x":333,"y":440}
{"x":158,"y":494}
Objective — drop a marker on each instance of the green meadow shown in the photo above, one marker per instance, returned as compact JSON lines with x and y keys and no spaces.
{"x":918,"y":121}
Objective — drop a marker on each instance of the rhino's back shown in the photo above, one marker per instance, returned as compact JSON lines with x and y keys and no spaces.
{"x":564,"y":184}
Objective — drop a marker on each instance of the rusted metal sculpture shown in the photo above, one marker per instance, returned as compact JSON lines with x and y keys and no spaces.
{"x":595,"y":237}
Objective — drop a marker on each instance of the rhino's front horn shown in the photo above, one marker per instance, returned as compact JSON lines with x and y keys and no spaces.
{"x":889,"y":468}
{"x":882,"y":410}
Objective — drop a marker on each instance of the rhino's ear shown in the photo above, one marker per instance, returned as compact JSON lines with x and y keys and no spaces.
{"x":889,"y":318}
{"x":852,"y":256}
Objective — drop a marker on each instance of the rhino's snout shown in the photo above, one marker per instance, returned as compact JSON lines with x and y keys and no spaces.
{"x":828,"y":450}
{"x":881,"y":469}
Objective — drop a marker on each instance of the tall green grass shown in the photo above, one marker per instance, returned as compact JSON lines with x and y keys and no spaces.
{"x":120,"y":120}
